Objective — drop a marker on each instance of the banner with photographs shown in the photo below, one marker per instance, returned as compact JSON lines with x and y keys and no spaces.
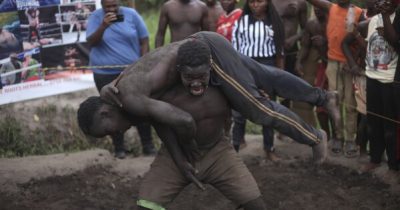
{"x":43,"y":48}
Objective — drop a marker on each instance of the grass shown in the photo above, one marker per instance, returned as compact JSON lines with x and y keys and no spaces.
{"x":51,"y":130}
{"x":151,"y":17}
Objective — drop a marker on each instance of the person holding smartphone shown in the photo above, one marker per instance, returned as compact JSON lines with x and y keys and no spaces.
{"x":117,"y":36}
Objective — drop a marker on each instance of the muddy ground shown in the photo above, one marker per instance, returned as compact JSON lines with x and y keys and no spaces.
{"x":95,"y":180}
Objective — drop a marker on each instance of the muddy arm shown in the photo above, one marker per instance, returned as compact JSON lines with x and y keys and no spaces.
{"x":164,"y":113}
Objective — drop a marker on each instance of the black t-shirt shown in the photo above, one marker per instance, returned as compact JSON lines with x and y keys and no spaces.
{"x":396,"y":24}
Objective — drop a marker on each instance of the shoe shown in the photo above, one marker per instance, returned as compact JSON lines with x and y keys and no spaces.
{"x":368,"y":167}
{"x":332,"y":107}
{"x":336,"y":146}
{"x":271,"y":155}
{"x":350,"y":149}
{"x":120,"y":154}
{"x":320,"y":150}
{"x":149,"y":151}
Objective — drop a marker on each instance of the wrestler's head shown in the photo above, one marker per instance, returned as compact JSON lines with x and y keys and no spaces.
{"x":97,"y":118}
{"x":193,"y":64}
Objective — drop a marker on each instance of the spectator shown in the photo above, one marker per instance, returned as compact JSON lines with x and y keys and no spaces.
{"x":184,"y":17}
{"x":214,"y":11}
{"x":226,"y":20}
{"x":381,"y":64}
{"x":396,"y":45}
{"x":258,"y":34}
{"x":294,"y":16}
{"x":118,"y":40}
{"x":354,"y":48}
{"x":341,"y":19}
{"x":311,"y":64}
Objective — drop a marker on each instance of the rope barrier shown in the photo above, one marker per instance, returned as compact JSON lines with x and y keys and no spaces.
{"x":375,"y":114}
{"x":124,"y":66}
{"x":60,"y":68}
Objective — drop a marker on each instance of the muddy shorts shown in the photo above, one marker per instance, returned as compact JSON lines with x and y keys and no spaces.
{"x":220,"y":167}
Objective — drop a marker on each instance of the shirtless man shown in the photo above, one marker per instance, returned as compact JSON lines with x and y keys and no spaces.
{"x":311,"y":62}
{"x":293,"y":14}
{"x":214,"y":11}
{"x":8,"y":43}
{"x":216,"y":162}
{"x":33,"y":19}
{"x":184,"y":18}
{"x":137,"y":90}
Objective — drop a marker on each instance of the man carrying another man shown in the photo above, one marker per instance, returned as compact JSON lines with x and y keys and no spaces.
{"x":140,"y":89}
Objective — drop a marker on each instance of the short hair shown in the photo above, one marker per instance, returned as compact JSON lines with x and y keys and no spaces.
{"x":86,"y":112}
{"x":193,"y":53}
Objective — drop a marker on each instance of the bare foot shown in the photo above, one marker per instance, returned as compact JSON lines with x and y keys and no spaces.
{"x":320,"y":150}
{"x":271,"y":155}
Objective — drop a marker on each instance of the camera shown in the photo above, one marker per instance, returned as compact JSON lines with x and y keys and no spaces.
{"x":120,"y":18}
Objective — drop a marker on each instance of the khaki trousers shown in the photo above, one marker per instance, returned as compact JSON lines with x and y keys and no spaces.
{"x":342,"y":82}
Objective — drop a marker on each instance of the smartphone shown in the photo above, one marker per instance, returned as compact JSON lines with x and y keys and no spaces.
{"x":120,"y":18}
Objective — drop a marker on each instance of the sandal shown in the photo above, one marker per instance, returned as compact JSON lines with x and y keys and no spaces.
{"x":350,"y":150}
{"x":336,"y":146}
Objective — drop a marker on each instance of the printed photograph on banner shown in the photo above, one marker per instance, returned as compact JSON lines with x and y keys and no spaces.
{"x":10,"y":35}
{"x":73,"y":19}
{"x":8,"y":5}
{"x":96,"y":2}
{"x":27,"y":4}
{"x":39,"y":27}
{"x":65,"y":60}
{"x":21,"y":67}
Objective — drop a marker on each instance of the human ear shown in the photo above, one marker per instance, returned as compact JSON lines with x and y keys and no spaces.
{"x":104,"y":112}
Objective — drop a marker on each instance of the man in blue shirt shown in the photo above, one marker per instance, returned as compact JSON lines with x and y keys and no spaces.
{"x":117,"y":36}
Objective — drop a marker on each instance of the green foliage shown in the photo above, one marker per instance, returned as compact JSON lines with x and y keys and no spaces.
{"x":360,"y":3}
{"x":52,"y":130}
{"x":252,"y":128}
{"x":7,"y":18}
{"x":12,"y":142}
{"x":146,"y":5}
{"x":151,"y":17}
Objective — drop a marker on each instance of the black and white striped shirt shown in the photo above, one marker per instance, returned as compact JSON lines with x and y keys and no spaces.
{"x":253,"y":38}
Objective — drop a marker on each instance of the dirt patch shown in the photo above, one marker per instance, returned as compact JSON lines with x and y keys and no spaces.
{"x":93,"y":179}
{"x":293,"y":184}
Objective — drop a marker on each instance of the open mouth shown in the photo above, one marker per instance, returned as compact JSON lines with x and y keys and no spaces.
{"x":197,"y":90}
